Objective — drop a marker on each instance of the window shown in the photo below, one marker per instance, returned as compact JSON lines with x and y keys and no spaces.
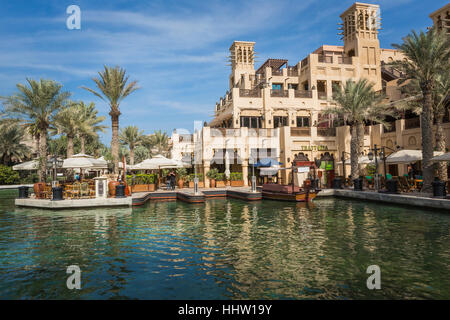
{"x":277,"y":86}
{"x":303,"y":122}
{"x":293,"y":86}
{"x":251,"y":122}
{"x":280,"y":122}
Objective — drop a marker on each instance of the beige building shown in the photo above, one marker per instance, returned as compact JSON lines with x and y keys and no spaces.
{"x":277,"y":109}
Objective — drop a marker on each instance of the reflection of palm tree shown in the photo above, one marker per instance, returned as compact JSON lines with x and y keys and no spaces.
{"x":132,"y":137}
{"x":427,"y":56}
{"x":357,"y":102}
{"x":36,"y":104}
{"x":112,"y":83}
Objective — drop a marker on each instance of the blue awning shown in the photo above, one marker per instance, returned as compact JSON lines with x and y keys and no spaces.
{"x":267,"y":162}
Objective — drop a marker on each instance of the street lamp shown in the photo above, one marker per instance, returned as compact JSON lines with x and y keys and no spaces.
{"x":343,"y":164}
{"x":54,"y":162}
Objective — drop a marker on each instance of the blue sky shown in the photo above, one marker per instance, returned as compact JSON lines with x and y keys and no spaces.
{"x":175,"y":49}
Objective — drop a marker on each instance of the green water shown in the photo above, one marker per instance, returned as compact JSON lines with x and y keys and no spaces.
{"x":225,"y":249}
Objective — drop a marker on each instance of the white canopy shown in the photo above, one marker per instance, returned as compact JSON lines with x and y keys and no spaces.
{"x":444,"y":157}
{"x":407,"y":156}
{"x":29,"y":165}
{"x":100,"y":163}
{"x":361,"y":160}
{"x":269,"y":171}
{"x":81,"y":161}
{"x":157,"y":162}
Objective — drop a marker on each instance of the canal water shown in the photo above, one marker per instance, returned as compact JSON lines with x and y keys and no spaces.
{"x":225,"y":249}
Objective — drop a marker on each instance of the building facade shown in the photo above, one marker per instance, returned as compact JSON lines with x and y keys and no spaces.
{"x":277,"y":110}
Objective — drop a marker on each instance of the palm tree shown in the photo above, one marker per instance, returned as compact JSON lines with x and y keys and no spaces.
{"x":427,"y":56}
{"x":160,"y":143}
{"x":132,"y":137}
{"x":356,"y":103}
{"x":11,"y":145}
{"x":112,"y":83}
{"x":89,"y":123}
{"x":66,"y":122}
{"x":36,"y":104}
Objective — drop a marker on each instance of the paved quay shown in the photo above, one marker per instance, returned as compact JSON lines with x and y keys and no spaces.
{"x":416,"y":199}
{"x":74,"y":204}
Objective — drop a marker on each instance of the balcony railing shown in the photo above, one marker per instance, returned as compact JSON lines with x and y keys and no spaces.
{"x":225,"y":132}
{"x":326,"y":132}
{"x":322,"y":95}
{"x":303,"y":94}
{"x":325,"y":59}
{"x":185,"y":138}
{"x":277,"y":72}
{"x":279,"y":93}
{"x":292,"y":72}
{"x":304,"y":62}
{"x":412,"y":123}
{"x":300,"y":132}
{"x":345,"y":60}
{"x":252,"y":93}
{"x":252,"y":132}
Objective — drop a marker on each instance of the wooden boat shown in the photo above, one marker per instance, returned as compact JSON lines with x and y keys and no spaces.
{"x":273,"y":191}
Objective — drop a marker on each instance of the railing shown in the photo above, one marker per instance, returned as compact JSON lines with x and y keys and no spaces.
{"x":303,"y":94}
{"x":225,"y":132}
{"x":322,"y":95}
{"x":391,"y":128}
{"x":279,"y":93}
{"x":325,"y":59}
{"x":252,"y":93}
{"x":277,"y":72}
{"x":304,"y":62}
{"x":252,"y":132}
{"x":326,"y":132}
{"x":300,"y":132}
{"x":345,"y":60}
{"x":292,"y":72}
{"x":412,"y":123}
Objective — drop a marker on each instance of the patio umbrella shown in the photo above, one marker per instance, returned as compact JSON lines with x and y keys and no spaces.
{"x":80,"y":161}
{"x":269,"y":171}
{"x":444,"y":157}
{"x":157,"y":162}
{"x":100,"y":163}
{"x":267,"y":162}
{"x":407,"y":156}
{"x":29,"y":165}
{"x":361,"y":160}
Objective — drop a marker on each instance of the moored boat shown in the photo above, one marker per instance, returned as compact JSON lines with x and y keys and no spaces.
{"x":272,"y":191}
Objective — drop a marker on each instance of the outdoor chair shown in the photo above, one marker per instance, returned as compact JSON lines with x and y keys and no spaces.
{"x":369,"y":182}
{"x":85,"y":190}
{"x":405,"y":185}
{"x":382,"y":182}
{"x":388,"y":176}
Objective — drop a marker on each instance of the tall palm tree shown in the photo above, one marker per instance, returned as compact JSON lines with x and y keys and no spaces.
{"x":66,"y":122}
{"x":36,"y":104}
{"x":112,"y":83}
{"x":132,"y":137}
{"x":357,"y":102}
{"x":160,"y":143}
{"x":89,"y":123}
{"x":427,"y":55}
{"x":11,"y":145}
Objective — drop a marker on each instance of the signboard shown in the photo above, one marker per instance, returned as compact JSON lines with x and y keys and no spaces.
{"x":314,"y":148}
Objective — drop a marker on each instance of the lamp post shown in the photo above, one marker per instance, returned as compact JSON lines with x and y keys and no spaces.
{"x":343,"y":164}
{"x":54,"y":163}
{"x":371,"y":157}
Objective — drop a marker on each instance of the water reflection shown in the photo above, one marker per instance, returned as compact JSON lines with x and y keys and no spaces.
{"x":225,"y":249}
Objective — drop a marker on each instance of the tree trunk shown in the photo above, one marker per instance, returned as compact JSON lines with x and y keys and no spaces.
{"x":37,"y":138}
{"x":115,"y":140}
{"x":427,"y":140}
{"x":440,"y":146}
{"x":69,"y":146}
{"x":360,"y":138}
{"x":354,"y":148}
{"x":83,"y":142}
{"x":131,"y":155}
{"x":43,"y":155}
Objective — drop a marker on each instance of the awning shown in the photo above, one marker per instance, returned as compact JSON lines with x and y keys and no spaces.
{"x":157,"y":162}
{"x":267,"y":162}
{"x":81,"y":161}
{"x":407,"y":156}
{"x":444,"y":157}
{"x":361,"y":160}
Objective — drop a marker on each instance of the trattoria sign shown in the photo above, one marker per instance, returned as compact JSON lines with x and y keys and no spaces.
{"x":314,"y":148}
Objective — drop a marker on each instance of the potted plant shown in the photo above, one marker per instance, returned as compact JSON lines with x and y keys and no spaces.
{"x":151,"y":181}
{"x":236,"y":179}
{"x":139,"y":184}
{"x":181,"y":173}
{"x":212,"y":175}
{"x":201,"y":184}
{"x":220,"y":180}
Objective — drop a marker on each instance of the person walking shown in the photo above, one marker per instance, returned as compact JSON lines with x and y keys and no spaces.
{"x":168,"y":182}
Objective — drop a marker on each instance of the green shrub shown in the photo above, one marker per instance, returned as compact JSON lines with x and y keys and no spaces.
{"x":212,"y":174}
{"x":181,"y":173}
{"x":8,"y":175}
{"x":220,"y":176}
{"x":236,"y":176}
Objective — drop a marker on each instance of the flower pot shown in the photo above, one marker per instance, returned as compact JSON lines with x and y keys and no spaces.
{"x":212,"y":183}
{"x":180,"y":184}
{"x":220,"y":184}
{"x":227,"y":183}
{"x":140,"y":188}
{"x":112,"y":188}
{"x":201,"y":184}
{"x":191,"y":184}
{"x":151,"y":187}
{"x":239,"y":183}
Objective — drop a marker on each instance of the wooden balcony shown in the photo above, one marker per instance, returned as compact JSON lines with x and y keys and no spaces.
{"x":300,"y":132}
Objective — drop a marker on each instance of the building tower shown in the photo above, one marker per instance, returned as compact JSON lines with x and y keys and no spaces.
{"x":441,"y":18}
{"x":242,"y":61}
{"x":360,"y":25}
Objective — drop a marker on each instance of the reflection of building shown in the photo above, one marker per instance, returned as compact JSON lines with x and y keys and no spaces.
{"x":278,"y":108}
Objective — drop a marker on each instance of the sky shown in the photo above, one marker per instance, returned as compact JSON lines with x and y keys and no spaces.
{"x":176,"y":50}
